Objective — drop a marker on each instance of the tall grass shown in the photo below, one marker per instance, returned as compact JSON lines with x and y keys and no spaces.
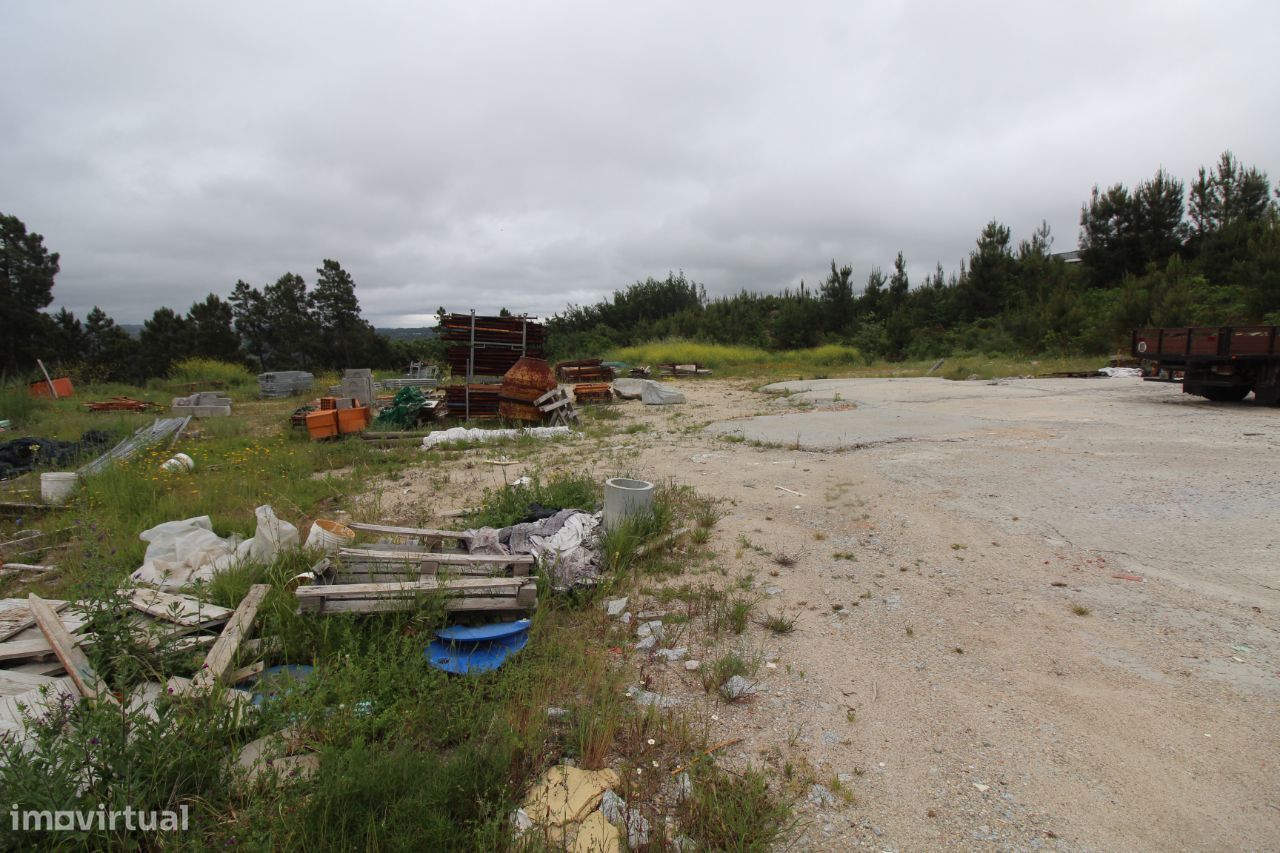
{"x":198,"y":370}
{"x":839,"y":360}
{"x":722,"y":357}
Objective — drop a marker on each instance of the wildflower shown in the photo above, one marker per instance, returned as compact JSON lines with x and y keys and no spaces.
{"x":652,"y":741}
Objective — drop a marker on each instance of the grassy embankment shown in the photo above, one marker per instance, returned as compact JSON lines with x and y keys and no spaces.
{"x":834,"y":360}
{"x":408,"y":757}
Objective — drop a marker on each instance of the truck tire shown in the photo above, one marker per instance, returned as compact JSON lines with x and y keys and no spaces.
{"x":1234,"y":394}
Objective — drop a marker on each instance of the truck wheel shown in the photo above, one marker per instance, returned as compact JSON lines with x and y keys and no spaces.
{"x":1226,"y":395}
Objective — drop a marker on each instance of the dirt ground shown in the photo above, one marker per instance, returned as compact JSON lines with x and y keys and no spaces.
{"x":1032,"y":613}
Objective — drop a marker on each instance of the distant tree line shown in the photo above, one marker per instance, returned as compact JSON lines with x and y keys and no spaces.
{"x":282,"y":326}
{"x":1154,"y":254}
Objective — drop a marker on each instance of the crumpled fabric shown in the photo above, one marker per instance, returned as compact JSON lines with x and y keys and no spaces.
{"x":565,"y":544}
{"x":184,"y":552}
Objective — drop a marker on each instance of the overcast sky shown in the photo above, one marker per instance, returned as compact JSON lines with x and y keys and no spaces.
{"x":528,"y":155}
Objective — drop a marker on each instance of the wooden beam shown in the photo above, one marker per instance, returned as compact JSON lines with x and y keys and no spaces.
{"x":52,"y":389}
{"x":64,"y":646}
{"x":245,"y":672}
{"x":443,"y":558}
{"x":424,"y":532}
{"x":352,"y":590}
{"x":218,"y":661}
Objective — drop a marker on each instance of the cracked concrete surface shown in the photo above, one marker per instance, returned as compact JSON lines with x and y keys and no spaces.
{"x":1170,"y":485}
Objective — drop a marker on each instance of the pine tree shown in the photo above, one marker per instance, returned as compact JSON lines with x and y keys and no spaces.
{"x":27,"y":271}
{"x":212,"y":336}
{"x":249,"y":314}
{"x":165,"y":340}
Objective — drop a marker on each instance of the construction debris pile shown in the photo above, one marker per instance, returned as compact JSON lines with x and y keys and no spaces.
{"x":43,"y":665}
{"x":408,"y":563}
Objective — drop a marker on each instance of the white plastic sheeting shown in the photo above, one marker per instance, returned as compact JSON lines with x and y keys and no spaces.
{"x":647,"y":391}
{"x":1113,"y":372}
{"x":183,"y":552}
{"x":445,"y":436}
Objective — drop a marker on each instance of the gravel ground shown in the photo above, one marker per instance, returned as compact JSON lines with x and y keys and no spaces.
{"x":1032,"y":614}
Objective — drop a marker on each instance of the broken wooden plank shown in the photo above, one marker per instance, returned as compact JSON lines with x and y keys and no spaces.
{"x":420,"y":532}
{"x":15,"y":710}
{"x":15,"y":682}
{"x":246,"y":672}
{"x":442,"y":558}
{"x":25,"y":649}
{"x":335,"y":590}
{"x":224,"y":648}
{"x":172,"y":607}
{"x":64,"y":646}
{"x":49,"y":666}
{"x":15,"y":615}
{"x":469,"y":604}
{"x":239,"y":701}
{"x":551,"y":407}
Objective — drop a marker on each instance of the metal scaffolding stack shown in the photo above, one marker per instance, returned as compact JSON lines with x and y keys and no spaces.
{"x":485,"y":347}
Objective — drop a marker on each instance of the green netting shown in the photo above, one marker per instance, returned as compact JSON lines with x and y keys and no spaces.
{"x":404,"y":409}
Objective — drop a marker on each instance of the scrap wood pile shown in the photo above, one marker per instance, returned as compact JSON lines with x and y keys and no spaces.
{"x":584,"y":370}
{"x":486,"y":569}
{"x":42,"y":659}
{"x":385,"y":576}
{"x":593,"y":392}
{"x":122,"y":404}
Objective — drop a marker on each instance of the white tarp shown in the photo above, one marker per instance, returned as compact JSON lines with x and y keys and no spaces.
{"x":1113,"y":372}
{"x":182,"y":552}
{"x":647,"y":391}
{"x":445,"y":436}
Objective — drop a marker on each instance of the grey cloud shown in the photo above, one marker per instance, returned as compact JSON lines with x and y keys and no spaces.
{"x":533,"y":155}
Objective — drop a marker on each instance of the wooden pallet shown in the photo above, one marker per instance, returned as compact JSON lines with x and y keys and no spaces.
{"x":464,"y":594}
{"x":405,"y":560}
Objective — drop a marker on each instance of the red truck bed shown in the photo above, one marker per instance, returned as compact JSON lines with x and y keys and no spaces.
{"x":1217,"y":362}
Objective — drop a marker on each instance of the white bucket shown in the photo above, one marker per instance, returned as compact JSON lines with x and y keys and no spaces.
{"x":623,"y":498}
{"x":179,"y":462}
{"x":328,"y":535}
{"x":56,"y":487}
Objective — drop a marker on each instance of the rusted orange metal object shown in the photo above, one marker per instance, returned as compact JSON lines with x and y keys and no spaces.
{"x":526,"y":381}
